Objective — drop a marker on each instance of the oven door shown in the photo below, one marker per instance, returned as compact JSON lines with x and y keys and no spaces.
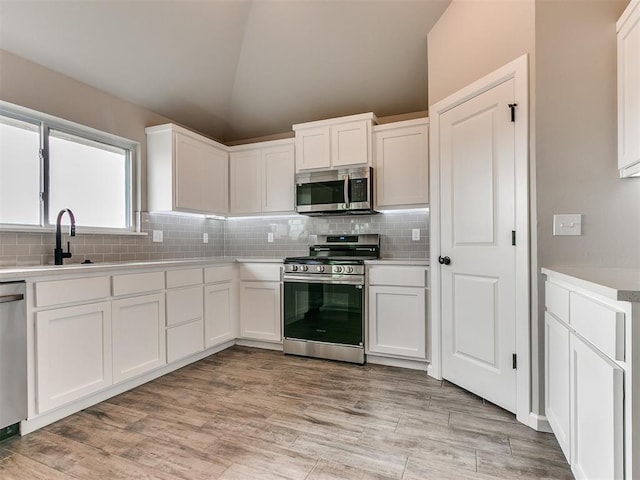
{"x":325,"y":309}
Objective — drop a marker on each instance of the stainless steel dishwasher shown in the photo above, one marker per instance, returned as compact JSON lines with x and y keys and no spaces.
{"x":13,"y":358}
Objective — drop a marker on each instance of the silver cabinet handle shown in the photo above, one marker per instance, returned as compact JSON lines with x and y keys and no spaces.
{"x":346,"y":191}
{"x":11,"y":298}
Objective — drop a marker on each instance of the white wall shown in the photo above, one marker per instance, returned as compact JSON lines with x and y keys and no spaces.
{"x":571,"y":44}
{"x":30,"y":85}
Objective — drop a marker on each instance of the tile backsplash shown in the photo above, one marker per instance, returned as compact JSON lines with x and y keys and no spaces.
{"x":238,"y":237}
{"x":291,"y":235}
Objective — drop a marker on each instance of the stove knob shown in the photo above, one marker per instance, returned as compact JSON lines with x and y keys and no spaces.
{"x":294,"y":268}
{"x":348,"y":269}
{"x":304,"y":268}
{"x":320,"y":268}
{"x":338,"y":269}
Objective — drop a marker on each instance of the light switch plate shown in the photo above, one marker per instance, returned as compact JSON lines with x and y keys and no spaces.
{"x":415,"y":234}
{"x":270,"y":237}
{"x":205,"y":238}
{"x":567,"y":224}
{"x":157,"y":235}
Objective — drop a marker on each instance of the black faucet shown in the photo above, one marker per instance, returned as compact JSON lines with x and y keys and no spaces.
{"x":58,"y":254}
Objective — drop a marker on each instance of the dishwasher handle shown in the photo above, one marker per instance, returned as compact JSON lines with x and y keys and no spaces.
{"x":11,"y":298}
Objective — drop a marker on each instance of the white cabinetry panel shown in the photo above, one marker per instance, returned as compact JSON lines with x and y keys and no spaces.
{"x":138,"y":335}
{"x":219,"y":326}
{"x":401,"y":160}
{"x":628,"y":28}
{"x":597,"y":438}
{"x":260,"y":311}
{"x":557,"y":380}
{"x":73,"y":353}
{"x":397,"y":320}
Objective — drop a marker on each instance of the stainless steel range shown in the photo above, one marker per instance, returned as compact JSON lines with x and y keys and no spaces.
{"x":324,"y":298}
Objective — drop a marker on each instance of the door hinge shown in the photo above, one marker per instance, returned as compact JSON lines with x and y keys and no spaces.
{"x":513,"y":106}
{"x":513,"y":237}
{"x":514,"y":360}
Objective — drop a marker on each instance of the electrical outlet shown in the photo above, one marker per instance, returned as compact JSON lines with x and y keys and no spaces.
{"x":567,"y":224}
{"x":270,"y":237}
{"x":205,"y":238}
{"x":157,"y":235}
{"x":415,"y":234}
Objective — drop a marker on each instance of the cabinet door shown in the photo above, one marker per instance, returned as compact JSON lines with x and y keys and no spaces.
{"x":260,"y":311}
{"x":350,"y":143}
{"x":73,"y":353}
{"x":191,"y":156}
{"x":312,"y":148}
{"x":216,"y":181}
{"x":397,"y":321}
{"x":246,"y":182}
{"x":402,"y":166}
{"x":278,"y":185}
{"x":557,"y":401}
{"x":596,"y":386}
{"x":138,"y":335}
{"x":219,"y":326}
{"x":629,"y":89}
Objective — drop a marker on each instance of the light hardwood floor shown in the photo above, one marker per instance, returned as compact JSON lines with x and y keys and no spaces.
{"x":246,"y":413}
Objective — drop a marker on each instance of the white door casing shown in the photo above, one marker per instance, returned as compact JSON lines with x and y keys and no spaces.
{"x":479,"y":185}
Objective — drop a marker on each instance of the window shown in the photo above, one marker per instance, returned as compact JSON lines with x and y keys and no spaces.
{"x":48,"y":164}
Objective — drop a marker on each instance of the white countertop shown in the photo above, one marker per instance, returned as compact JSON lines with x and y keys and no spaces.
{"x":22,"y":273}
{"x":615,"y":283}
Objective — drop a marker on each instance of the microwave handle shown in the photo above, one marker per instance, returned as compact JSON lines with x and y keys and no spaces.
{"x":346,"y":190}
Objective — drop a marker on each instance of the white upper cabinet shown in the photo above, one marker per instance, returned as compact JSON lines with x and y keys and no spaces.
{"x":186,"y":172}
{"x":628,"y":28}
{"x":262,"y":177}
{"x":334,"y":143}
{"x":401,"y":163}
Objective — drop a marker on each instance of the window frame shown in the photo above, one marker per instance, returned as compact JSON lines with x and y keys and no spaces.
{"x":45,"y":124}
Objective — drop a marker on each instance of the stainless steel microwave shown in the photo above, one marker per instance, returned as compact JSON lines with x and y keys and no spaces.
{"x":343,"y":191}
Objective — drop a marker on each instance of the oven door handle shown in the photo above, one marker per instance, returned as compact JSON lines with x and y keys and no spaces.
{"x":327,"y":279}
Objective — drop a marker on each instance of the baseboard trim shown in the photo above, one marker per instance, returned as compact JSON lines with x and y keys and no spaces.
{"x":539,"y":423}
{"x":397,"y":362}
{"x":259,"y":344}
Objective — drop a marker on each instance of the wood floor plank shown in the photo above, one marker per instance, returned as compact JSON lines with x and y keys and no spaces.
{"x":247,"y":413}
{"x":19,"y":467}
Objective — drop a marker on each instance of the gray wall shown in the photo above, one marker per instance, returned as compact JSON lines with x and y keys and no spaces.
{"x":571,"y":47}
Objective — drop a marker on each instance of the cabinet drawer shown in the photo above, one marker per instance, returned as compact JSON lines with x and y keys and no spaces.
{"x":59,"y":292}
{"x":263,"y":272}
{"x":218,"y":274}
{"x":398,"y":275}
{"x":556,"y":300}
{"x":184,"y":305}
{"x":598,"y":323}
{"x":184,"y":278}
{"x":185,"y":340}
{"x":137,"y":283}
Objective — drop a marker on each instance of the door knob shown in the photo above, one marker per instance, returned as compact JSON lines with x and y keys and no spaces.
{"x":444,"y":260}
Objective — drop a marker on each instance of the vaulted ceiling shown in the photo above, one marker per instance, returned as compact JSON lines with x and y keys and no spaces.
{"x":235,"y":69}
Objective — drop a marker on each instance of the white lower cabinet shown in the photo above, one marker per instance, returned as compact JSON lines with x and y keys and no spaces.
{"x":73,"y":353}
{"x":260,"y":311}
{"x":557,"y":400}
{"x":138,"y":335}
{"x":219,"y":325}
{"x":589,"y":392}
{"x":397,"y":321}
{"x":185,"y":322}
{"x":597,"y":440}
{"x":397,"y":311}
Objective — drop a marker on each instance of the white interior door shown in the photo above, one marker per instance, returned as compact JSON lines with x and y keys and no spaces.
{"x":477,"y":195}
